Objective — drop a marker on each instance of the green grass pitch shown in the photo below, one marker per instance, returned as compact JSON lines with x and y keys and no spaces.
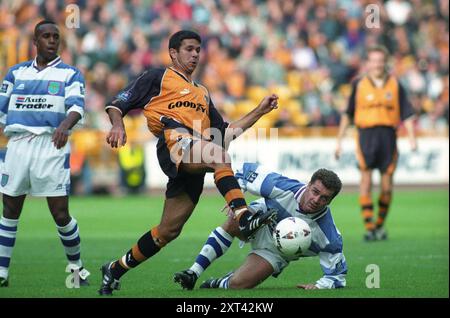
{"x":413,"y":262}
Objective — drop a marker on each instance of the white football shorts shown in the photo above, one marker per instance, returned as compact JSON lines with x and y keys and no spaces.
{"x":34,"y":166}
{"x":264,"y":246}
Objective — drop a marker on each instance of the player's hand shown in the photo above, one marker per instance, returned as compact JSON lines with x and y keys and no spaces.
{"x":307,"y":286}
{"x":413,"y":144}
{"x":227,"y":210}
{"x":337,"y":152}
{"x":60,"y":137}
{"x":268,"y":104}
{"x":117,"y":136}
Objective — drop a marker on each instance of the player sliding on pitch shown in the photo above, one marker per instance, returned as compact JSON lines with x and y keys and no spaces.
{"x":290,"y":198}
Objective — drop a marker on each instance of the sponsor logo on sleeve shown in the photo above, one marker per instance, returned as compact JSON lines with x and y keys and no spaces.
{"x":251,"y":176}
{"x":124,"y":96}
{"x":4,"y":88}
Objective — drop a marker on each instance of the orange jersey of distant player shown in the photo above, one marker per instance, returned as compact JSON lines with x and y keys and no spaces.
{"x":167,"y":92}
{"x":372,"y":106}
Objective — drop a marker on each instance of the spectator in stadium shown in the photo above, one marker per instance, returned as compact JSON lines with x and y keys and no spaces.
{"x":289,"y":197}
{"x":50,"y":96}
{"x":182,"y":115}
{"x":330,"y":37}
{"x":377,"y":105}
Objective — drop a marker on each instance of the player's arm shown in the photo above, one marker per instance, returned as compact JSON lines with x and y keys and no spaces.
{"x":136,"y":95}
{"x":345,"y":121}
{"x":260,"y":181}
{"x":408,"y":117}
{"x":334,"y":270}
{"x":6,"y":89}
{"x":61,"y":133}
{"x":117,"y":135}
{"x":223,"y":133}
{"x":74,"y":103}
{"x":236,"y":128}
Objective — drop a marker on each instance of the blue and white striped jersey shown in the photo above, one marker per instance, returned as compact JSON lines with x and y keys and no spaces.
{"x":283,"y":194}
{"x":38,"y":101}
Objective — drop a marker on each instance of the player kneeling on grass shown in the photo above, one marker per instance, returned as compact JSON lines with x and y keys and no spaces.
{"x":288,"y":197}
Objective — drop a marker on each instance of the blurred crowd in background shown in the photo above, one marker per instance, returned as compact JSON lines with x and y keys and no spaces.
{"x":306,"y":51}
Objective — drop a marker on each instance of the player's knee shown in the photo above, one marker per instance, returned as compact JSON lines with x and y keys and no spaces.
{"x":168,"y":234}
{"x":11,"y":209}
{"x":9,"y":212}
{"x":61,"y":218}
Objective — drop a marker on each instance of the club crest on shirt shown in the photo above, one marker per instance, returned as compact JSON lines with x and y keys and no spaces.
{"x":388,"y":95}
{"x":54,"y":87}
{"x":5,"y":179}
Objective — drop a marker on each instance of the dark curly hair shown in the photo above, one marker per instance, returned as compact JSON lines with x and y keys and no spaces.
{"x":329,"y":179}
{"x":178,"y":37}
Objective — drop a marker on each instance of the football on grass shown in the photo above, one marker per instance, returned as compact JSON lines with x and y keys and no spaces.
{"x":292,"y":236}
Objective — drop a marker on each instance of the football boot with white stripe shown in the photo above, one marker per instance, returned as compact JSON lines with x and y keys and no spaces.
{"x":109,"y":283}
{"x":186,"y":279}
{"x":256,"y":221}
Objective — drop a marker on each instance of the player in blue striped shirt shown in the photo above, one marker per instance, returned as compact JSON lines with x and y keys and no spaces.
{"x":40,"y":102}
{"x":289,"y":198}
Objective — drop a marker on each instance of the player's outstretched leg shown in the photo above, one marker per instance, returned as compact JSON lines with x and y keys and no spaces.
{"x":177,"y":210}
{"x":109,"y":283}
{"x":229,"y":187}
{"x":215,"y":246}
{"x":251,"y":273}
{"x":145,"y":248}
{"x":222,"y":282}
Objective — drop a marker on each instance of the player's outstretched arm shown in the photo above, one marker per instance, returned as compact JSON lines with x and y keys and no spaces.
{"x":235,"y":129}
{"x":307,"y":286}
{"x":117,"y":135}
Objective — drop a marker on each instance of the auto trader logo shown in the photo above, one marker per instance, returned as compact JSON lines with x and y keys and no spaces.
{"x":29,"y":103}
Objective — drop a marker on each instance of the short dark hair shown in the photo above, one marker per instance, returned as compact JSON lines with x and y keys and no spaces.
{"x":178,"y":37}
{"x":329,"y":179}
{"x":36,"y":28}
{"x":377,"y":48}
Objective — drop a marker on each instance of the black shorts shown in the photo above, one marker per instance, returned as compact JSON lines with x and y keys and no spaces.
{"x":170,"y":152}
{"x":377,"y":149}
{"x":191,"y":184}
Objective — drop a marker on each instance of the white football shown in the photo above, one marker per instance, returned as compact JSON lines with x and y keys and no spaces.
{"x":292,"y":236}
